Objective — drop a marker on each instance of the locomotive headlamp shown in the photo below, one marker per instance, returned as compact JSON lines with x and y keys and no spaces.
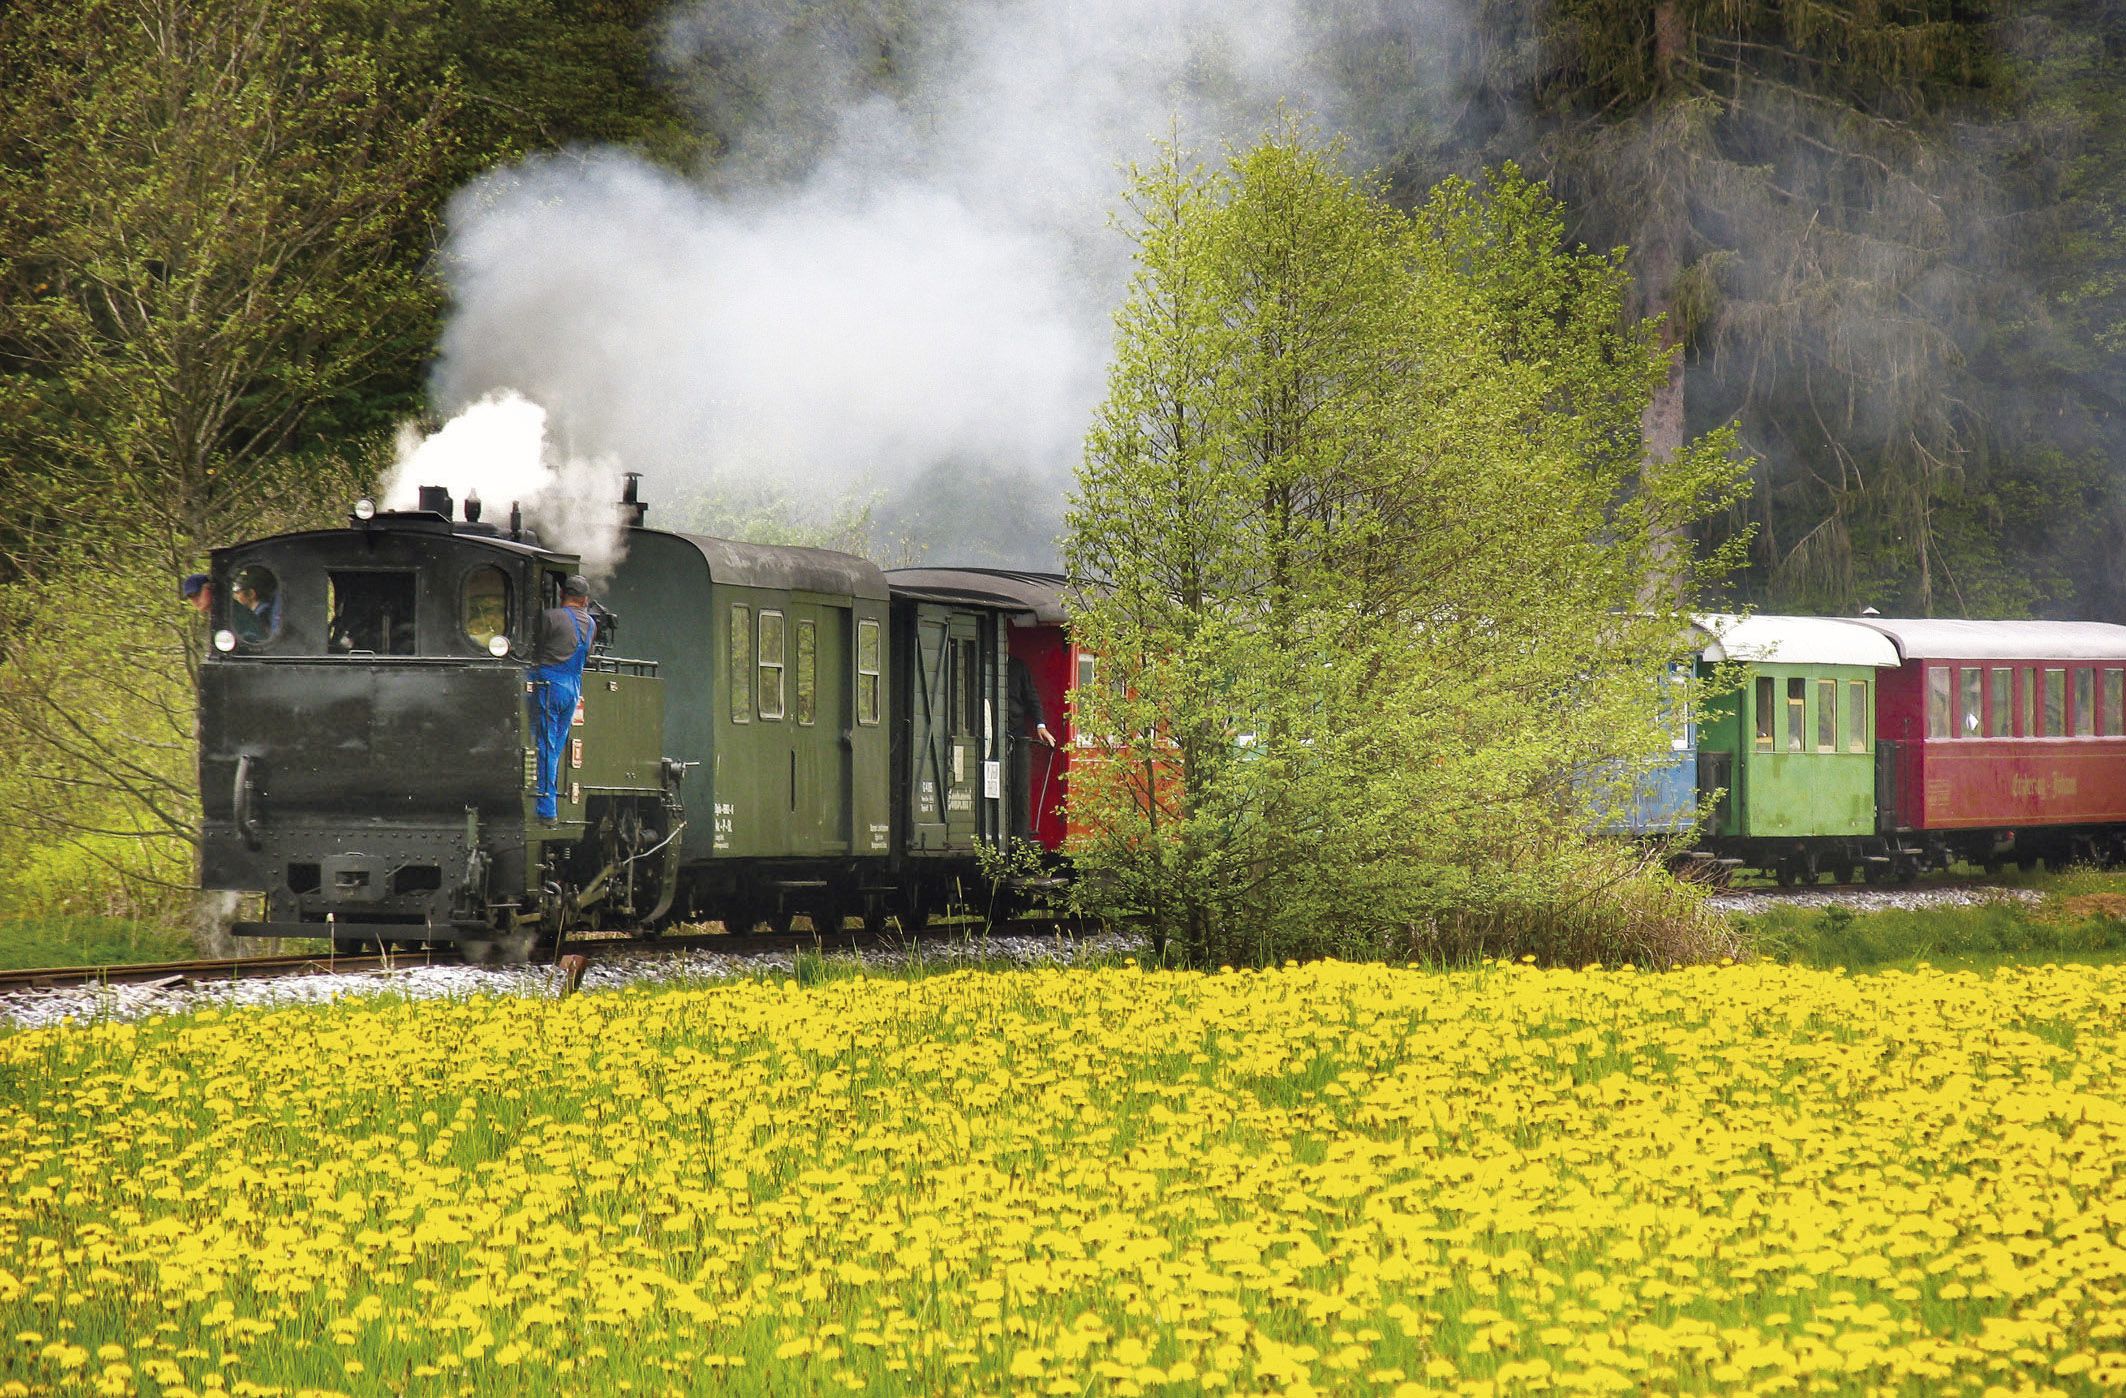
{"x":225,"y":640}
{"x":498,"y":646}
{"x":365,"y":508}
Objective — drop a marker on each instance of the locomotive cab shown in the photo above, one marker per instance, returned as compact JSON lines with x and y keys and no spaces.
{"x":366,"y":760}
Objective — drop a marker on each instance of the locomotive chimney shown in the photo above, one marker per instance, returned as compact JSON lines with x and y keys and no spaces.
{"x":435,"y":499}
{"x":516,"y":521}
{"x":632,"y":510}
{"x":472,"y":507}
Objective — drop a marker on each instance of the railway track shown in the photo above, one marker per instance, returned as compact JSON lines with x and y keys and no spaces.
{"x":591,"y":945}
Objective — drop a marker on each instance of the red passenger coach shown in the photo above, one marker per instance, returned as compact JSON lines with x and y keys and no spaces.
{"x":1039,"y":640}
{"x":2005,"y":738}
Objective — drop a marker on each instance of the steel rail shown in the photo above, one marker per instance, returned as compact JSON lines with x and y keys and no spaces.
{"x":589,"y":944}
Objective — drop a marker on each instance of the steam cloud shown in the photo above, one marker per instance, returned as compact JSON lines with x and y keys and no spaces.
{"x":906,"y":296}
{"x":497,"y":449}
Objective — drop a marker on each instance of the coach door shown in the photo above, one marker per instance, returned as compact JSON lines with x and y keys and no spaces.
{"x":818,"y":656}
{"x":955,"y":780}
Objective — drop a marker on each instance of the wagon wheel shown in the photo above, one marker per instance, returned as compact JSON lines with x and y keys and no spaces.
{"x":1841,"y":870}
{"x":832,"y":912}
{"x":1905,"y":867}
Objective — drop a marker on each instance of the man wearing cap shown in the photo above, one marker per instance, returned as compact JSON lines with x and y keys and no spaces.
{"x":198,"y":589}
{"x":564,"y":641}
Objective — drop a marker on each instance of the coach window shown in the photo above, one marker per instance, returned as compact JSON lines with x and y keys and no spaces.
{"x":741,"y":664}
{"x":771,"y":663}
{"x":484,"y":605}
{"x":1938,"y":717}
{"x":2002,"y":698}
{"x":1856,"y":715}
{"x":2056,"y":703}
{"x":2084,"y":702}
{"x":1826,"y":715}
{"x":1970,"y":689}
{"x":1767,"y":710}
{"x":2029,"y":704}
{"x":2114,"y":702}
{"x":1797,"y":700}
{"x":867,"y":670}
{"x":807,"y":672}
{"x":1675,"y":708}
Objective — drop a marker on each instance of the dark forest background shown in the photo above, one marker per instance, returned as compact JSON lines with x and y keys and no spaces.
{"x":1890,"y":239}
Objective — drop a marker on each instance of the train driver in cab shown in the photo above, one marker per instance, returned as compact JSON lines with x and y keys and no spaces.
{"x":563,"y":641}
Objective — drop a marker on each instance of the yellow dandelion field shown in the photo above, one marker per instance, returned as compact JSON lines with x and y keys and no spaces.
{"x":1322,"y":1178}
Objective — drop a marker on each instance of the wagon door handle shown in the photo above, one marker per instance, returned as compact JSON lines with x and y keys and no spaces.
{"x":246,"y":803}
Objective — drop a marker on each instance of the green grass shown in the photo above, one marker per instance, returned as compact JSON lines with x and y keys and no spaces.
{"x":63,"y":940}
{"x":2082,"y":918}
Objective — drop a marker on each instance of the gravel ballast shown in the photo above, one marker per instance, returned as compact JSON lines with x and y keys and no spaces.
{"x":31,"y":1009}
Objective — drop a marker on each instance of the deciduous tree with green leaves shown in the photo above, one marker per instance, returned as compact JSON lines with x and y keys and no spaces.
{"x":211,"y":219}
{"x":1364,"y":542}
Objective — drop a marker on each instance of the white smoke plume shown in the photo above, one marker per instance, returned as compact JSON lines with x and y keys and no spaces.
{"x":910,"y":297}
{"x":497,"y":449}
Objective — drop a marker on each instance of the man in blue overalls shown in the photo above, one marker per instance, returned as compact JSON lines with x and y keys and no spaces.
{"x":564,"y":642}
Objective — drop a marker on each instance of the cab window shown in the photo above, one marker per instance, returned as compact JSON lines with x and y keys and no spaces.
{"x":372,"y":613}
{"x":483,"y":605}
{"x":254,"y":605}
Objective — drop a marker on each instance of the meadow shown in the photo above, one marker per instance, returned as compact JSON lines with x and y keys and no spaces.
{"x":1317,"y":1178}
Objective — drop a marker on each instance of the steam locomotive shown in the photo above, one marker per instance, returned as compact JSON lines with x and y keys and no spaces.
{"x":765,"y":733}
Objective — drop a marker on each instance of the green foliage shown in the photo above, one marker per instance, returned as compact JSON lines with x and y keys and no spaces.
{"x":59,"y":940}
{"x":1366,"y":539}
{"x":1836,"y":936}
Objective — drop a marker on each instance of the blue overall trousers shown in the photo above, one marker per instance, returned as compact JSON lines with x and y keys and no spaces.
{"x":556,"y":690}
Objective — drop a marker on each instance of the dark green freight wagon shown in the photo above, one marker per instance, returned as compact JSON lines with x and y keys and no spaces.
{"x":1790,"y":755}
{"x":774,"y":664}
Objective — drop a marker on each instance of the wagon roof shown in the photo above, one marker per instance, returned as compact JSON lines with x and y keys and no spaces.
{"x":1039,"y":593}
{"x":1935,"y":639}
{"x":786,"y":567}
{"x":1794,"y":640}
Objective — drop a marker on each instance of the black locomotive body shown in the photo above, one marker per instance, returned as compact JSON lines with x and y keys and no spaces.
{"x":366,"y":760}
